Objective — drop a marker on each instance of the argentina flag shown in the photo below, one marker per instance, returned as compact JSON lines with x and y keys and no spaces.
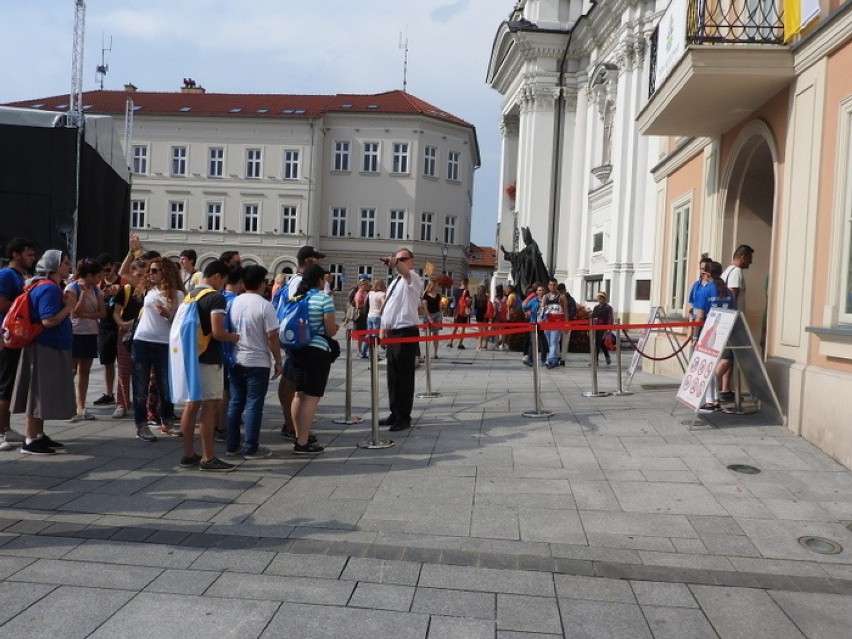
{"x":184,"y":373}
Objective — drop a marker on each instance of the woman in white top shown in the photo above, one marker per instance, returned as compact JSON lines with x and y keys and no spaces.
{"x":88,"y":308}
{"x":375,"y":301}
{"x":164,"y":292}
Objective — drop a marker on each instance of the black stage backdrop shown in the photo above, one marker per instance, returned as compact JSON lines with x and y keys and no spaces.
{"x":37,"y":179}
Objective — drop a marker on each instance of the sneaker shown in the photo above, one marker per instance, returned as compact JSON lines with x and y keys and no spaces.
{"x":13,"y":437}
{"x":307,"y":449}
{"x":145,"y":434}
{"x":710,"y":408}
{"x":4,"y":445}
{"x":37,"y":447}
{"x":60,"y":448}
{"x":189,"y":462}
{"x":104,"y":399}
{"x":170,"y":431}
{"x":216,"y":465}
{"x":219,"y":436}
{"x":233,"y":453}
{"x":119,"y":413}
{"x":312,"y":439}
{"x":461,"y":347}
{"x":81,"y":417}
{"x":153,"y":422}
{"x":261,"y":453}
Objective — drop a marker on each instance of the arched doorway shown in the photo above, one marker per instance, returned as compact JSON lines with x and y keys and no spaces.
{"x":748,"y":214}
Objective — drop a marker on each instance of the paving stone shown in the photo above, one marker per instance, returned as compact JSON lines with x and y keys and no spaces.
{"x":602,"y":620}
{"x":817,"y":615}
{"x":511,"y":634}
{"x":382,"y":571}
{"x":11,"y":565}
{"x":552,"y":526}
{"x":677,"y":623}
{"x":741,"y":612}
{"x":647,"y":497}
{"x":306,"y":565}
{"x":645,"y":524}
{"x":455,"y":627}
{"x":298,"y":621}
{"x":40,"y":546}
{"x":69,"y":612}
{"x":382,"y":597}
{"x":79,"y":573}
{"x":454,"y":603}
{"x":113,"y":552}
{"x":187,"y":616}
{"x":16,"y":597}
{"x":272,"y":587}
{"x":655,"y":593}
{"x":707,"y":562}
{"x":183,"y":582}
{"x":530,"y":614}
{"x":594,"y":588}
{"x":486,"y":580}
{"x":223,"y":559}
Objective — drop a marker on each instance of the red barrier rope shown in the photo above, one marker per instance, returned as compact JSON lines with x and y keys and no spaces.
{"x":655,"y":359}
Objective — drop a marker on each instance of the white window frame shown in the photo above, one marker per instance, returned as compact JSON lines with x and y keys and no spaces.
{"x":427,"y":220}
{"x":396,"y":224}
{"x":365,"y":269}
{"x":399,"y":159}
{"x":216,"y":162}
{"x":179,"y":161}
{"x":450,"y":229}
{"x":430,"y":161}
{"x":370,"y":157}
{"x":214,"y":217}
{"x":337,"y":271}
{"x":140,"y":159}
{"x":289,"y":220}
{"x":251,"y":217}
{"x":254,"y":163}
{"x":177,"y":215}
{"x":138,"y":213}
{"x":453,"y":164}
{"x":292,"y":161}
{"x":340,"y":158}
{"x":339,"y":221}
{"x":679,"y":256}
{"x":367,"y":223}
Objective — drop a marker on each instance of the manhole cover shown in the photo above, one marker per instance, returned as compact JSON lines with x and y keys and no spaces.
{"x":745,"y":469}
{"x":821,"y":545}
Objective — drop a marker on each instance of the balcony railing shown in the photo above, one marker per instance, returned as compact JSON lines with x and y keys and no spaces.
{"x":711,"y":22}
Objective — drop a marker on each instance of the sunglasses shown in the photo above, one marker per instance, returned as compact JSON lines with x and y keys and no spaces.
{"x":404,"y":259}
{"x":153,"y":270}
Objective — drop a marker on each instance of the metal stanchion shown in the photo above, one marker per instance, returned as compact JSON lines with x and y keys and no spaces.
{"x":620,"y":390}
{"x":594,"y":365}
{"x":374,"y":441}
{"x":347,"y":415}
{"x":538,"y":412}
{"x":429,"y":394}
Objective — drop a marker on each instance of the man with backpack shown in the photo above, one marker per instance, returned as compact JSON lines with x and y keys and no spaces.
{"x":207,"y":326}
{"x":21,"y":255}
{"x":44,"y":388}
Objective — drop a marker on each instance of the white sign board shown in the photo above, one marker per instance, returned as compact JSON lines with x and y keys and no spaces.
{"x":671,"y":39}
{"x":702,"y":364}
{"x":640,"y":345}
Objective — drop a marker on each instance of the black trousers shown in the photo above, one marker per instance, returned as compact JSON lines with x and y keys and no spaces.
{"x":401,"y":359}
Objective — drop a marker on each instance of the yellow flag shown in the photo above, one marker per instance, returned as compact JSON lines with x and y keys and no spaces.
{"x":792,"y":18}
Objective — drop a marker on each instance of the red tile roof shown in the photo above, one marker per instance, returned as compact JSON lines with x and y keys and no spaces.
{"x":242,"y":105}
{"x":482,"y":257}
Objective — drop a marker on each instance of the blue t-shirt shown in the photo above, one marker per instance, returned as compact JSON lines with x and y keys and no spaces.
{"x":708,"y":298}
{"x":533,"y":306}
{"x":11,"y":285}
{"x":697,"y":286}
{"x":318,"y":305}
{"x":46,"y":302}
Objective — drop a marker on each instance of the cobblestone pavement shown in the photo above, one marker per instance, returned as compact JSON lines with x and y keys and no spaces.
{"x":610,"y":519}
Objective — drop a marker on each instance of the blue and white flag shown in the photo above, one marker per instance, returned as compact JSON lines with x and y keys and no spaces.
{"x":184,"y":372}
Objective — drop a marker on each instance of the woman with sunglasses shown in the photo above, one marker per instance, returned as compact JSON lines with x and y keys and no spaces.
{"x":150,"y":350}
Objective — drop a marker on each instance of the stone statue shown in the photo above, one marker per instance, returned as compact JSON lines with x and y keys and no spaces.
{"x":527,"y":264}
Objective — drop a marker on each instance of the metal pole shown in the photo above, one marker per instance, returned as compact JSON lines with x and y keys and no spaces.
{"x":374,"y":441}
{"x":594,"y":365}
{"x":428,"y":394}
{"x":347,"y":415}
{"x":620,"y":390}
{"x":536,"y":379}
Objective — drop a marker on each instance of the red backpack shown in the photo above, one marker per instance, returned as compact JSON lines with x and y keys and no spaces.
{"x":19,"y":329}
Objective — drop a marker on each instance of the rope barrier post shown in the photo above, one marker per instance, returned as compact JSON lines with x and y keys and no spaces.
{"x":538,"y":412}
{"x":620,"y":391}
{"x":428,"y":394}
{"x":347,"y":414}
{"x":374,"y":441}
{"x":594,"y":365}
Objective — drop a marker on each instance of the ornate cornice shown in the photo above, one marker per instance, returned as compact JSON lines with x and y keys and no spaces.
{"x":510,"y":126}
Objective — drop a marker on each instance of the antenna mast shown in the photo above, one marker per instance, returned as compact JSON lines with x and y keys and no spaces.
{"x":403,"y":45}
{"x":103,"y":67}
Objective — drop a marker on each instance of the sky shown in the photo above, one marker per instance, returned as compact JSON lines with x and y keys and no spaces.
{"x":273,"y":46}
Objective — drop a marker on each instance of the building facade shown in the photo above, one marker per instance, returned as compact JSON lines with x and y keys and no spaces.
{"x":356,"y":176}
{"x":575,"y":169}
{"x":756,"y":114}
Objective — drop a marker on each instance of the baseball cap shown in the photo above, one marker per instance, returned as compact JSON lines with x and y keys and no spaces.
{"x":308,"y":251}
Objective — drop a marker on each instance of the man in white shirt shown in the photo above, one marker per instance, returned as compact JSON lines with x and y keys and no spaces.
{"x":255,"y":321}
{"x":400,"y":316}
{"x":735,"y":280}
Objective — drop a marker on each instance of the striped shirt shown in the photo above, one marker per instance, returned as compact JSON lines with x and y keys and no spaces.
{"x":318,"y":305}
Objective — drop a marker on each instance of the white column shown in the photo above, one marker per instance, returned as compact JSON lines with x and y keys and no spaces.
{"x":509,"y":175}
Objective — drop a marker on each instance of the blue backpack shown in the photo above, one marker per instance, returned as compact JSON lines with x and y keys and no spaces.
{"x":295,"y":329}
